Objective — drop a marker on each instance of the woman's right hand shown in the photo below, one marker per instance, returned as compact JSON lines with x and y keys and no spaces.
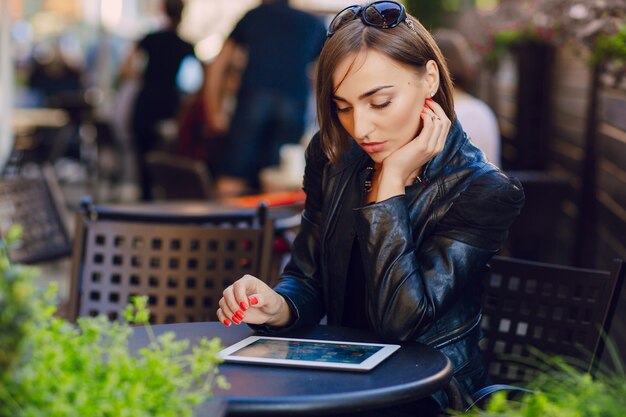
{"x":401,"y":167}
{"x":250,"y":300}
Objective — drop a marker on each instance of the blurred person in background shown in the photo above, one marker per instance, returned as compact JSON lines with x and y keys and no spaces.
{"x":476,"y":117}
{"x":56,"y":81}
{"x":161,"y":54}
{"x":51,"y":73}
{"x":280,"y":43}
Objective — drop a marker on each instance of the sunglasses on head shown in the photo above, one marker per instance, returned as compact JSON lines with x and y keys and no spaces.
{"x":380,"y":14}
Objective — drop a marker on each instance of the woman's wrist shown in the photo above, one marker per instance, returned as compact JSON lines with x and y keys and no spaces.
{"x":390,"y":185}
{"x":283,"y":316}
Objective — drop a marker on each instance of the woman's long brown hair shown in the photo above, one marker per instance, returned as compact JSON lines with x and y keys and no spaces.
{"x":402,"y":44}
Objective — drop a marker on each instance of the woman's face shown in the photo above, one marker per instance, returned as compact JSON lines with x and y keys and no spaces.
{"x":379,"y":101}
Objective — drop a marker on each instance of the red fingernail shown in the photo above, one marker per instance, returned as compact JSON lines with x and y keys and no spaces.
{"x":243,"y":305}
{"x":429,"y":99}
{"x":240,"y":315}
{"x":236,"y":320}
{"x":226,"y":322}
{"x":253,"y":301}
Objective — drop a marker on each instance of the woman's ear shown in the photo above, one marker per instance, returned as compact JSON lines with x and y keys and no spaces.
{"x":431,"y":77}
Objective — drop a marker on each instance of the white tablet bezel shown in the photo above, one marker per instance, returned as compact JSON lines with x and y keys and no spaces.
{"x":368,"y":364}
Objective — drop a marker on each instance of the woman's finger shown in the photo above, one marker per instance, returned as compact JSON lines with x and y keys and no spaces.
{"x":256,"y":300}
{"x":232,"y":305}
{"x":436,"y":108}
{"x":240,"y":294}
{"x":432,"y":138}
{"x":222,"y":318}
{"x":440,"y":114}
{"x":226,"y":311}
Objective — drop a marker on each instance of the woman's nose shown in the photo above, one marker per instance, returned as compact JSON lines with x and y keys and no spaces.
{"x":362,"y":124}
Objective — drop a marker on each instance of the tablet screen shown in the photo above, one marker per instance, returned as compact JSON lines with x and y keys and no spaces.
{"x":304,"y":352}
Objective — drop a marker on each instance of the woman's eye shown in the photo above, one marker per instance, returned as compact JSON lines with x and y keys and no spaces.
{"x":343,"y":110}
{"x":381,"y":106}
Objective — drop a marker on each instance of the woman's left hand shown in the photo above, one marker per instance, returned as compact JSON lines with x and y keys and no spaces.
{"x":407,"y":161}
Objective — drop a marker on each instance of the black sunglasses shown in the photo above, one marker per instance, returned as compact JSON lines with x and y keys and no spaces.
{"x":380,"y":14}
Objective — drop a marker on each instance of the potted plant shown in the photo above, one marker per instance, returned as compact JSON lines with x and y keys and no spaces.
{"x":50,"y":367}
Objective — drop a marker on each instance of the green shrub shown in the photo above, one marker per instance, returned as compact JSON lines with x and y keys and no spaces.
{"x":564,"y":390}
{"x":611,"y":47}
{"x":50,"y":367}
{"x":20,"y":302}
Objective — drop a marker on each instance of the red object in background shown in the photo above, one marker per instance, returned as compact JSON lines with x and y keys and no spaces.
{"x":279,"y":198}
{"x":281,"y":246}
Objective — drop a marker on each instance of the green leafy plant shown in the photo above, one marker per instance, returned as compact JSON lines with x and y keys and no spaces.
{"x":51,"y":367}
{"x":20,"y":303}
{"x":562,"y":389}
{"x":502,"y":43}
{"x":611,"y":47}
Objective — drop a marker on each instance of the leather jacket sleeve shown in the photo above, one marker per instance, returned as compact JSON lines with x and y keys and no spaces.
{"x":301,"y":281}
{"x":417,"y":279}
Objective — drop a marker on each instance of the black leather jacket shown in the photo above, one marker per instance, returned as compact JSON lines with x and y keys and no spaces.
{"x":423,"y":253}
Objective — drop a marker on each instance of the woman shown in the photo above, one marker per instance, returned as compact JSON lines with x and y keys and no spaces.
{"x":402,"y":212}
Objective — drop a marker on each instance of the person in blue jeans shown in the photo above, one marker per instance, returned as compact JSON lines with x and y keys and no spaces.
{"x":402,"y":213}
{"x":280,"y":43}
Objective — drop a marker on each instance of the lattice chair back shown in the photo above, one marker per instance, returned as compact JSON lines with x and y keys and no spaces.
{"x":183,"y":269}
{"x":36,"y":204}
{"x":181,"y":262}
{"x":556,"y":309}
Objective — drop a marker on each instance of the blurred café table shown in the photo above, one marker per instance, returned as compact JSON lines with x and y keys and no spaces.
{"x":25,"y":120}
{"x":283,"y":207}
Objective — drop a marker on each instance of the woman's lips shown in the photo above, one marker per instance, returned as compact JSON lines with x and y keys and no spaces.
{"x":372,"y":147}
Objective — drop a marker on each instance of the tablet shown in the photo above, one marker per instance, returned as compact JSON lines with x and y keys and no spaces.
{"x":329,"y":354}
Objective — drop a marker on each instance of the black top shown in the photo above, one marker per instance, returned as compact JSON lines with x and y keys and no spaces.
{"x":281,"y":42}
{"x":355,"y":307}
{"x":165,"y":51}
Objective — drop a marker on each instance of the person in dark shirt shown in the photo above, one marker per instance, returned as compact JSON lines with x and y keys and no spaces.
{"x":159,"y":97}
{"x":280,"y":43}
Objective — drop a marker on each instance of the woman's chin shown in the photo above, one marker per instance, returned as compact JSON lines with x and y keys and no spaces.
{"x":378,"y":157}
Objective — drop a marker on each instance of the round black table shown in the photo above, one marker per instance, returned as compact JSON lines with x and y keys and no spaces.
{"x":413,"y":372}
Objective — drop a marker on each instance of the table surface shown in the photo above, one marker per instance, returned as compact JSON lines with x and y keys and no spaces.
{"x":24,"y":119}
{"x":414,"y":371}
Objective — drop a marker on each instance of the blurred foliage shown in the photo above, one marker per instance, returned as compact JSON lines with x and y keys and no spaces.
{"x":428,"y":12}
{"x":597,"y":27}
{"x":563,"y":389}
{"x":20,"y":303}
{"x":505,"y":40}
{"x":434,"y":14}
{"x":611,"y":46}
{"x":50,"y":367}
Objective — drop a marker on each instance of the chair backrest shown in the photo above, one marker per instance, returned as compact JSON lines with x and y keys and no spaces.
{"x":556,"y":309}
{"x":37,"y":204}
{"x":536,"y":234}
{"x":182,"y":268}
{"x":175,"y":177}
